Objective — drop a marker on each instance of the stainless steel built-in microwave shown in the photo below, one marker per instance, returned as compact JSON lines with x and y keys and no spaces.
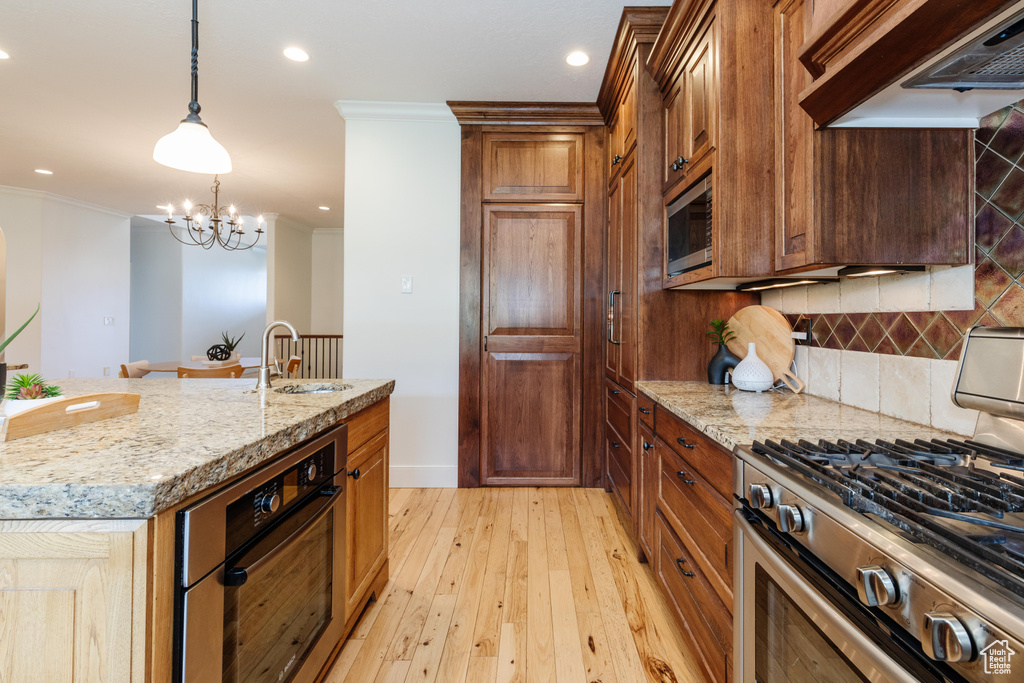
{"x":688,"y":236}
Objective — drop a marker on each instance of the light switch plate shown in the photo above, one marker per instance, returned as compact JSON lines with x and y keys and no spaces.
{"x":108,"y":320}
{"x":406,"y":284}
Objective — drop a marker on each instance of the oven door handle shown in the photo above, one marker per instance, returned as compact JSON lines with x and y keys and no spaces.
{"x":236,"y":576}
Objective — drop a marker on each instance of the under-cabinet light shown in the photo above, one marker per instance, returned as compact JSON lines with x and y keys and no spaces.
{"x":780,"y":283}
{"x":875,"y":271}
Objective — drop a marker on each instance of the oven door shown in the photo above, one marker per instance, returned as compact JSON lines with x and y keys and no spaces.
{"x":793,"y":626}
{"x":278,"y":606}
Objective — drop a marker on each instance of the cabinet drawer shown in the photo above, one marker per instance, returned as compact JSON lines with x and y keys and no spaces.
{"x":645,"y":409}
{"x":367,"y":423}
{"x":705,"y":619}
{"x":619,"y":457}
{"x":618,"y":410}
{"x":705,"y":456}
{"x":700,"y":517}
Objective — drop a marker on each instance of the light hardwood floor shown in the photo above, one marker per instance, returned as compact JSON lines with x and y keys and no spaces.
{"x":528,"y":584}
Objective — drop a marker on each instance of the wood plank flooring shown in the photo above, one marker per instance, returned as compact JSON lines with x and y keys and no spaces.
{"x":513,"y":585}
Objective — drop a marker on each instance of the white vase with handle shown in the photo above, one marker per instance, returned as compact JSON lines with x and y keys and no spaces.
{"x":752,"y":374}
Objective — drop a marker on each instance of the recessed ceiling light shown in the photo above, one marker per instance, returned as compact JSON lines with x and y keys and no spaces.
{"x":4,"y":55}
{"x":577,"y":58}
{"x":296,"y":54}
{"x":325,"y":208}
{"x":43,"y":171}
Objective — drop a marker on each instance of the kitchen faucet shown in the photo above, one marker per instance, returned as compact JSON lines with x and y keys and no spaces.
{"x":264,"y":381}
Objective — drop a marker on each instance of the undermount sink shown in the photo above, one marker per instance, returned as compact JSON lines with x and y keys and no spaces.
{"x":316,"y":388}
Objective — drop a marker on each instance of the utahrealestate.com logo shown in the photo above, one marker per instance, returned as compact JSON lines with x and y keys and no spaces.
{"x":996,"y":657}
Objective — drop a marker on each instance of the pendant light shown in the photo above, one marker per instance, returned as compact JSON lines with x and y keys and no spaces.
{"x":191,"y":147}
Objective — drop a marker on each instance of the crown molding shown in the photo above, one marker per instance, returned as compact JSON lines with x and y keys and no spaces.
{"x":359,"y":110}
{"x":527,"y":113}
{"x":43,"y":194}
{"x":328,"y":231}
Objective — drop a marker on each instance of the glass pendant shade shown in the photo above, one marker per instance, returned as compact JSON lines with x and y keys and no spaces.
{"x":191,"y":148}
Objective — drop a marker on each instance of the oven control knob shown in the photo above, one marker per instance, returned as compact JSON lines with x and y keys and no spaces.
{"x":270,"y":502}
{"x":311,"y":471}
{"x":946,"y":639}
{"x":791,"y":520}
{"x":760,"y":497}
{"x":876,"y":587}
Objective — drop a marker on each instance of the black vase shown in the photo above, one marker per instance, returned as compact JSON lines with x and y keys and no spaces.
{"x":723,"y":363}
{"x":3,"y":379}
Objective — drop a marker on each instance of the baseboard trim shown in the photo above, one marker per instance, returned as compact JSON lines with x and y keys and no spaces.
{"x":424,"y":477}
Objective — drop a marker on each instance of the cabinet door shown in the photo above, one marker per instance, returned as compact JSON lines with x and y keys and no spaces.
{"x":613,"y":289}
{"x":619,"y":454}
{"x":650,"y":466}
{"x":700,"y":94}
{"x":366,"y":538}
{"x":795,"y":132}
{"x":66,"y":600}
{"x":675,"y":133}
{"x":626,"y":303}
{"x":533,"y":167}
{"x":622,"y":134}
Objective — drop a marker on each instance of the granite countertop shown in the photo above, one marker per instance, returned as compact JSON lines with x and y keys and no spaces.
{"x":188,"y":436}
{"x":732,"y":417}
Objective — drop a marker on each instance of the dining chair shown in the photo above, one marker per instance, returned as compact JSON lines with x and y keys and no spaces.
{"x":293,"y":365}
{"x":134,"y":370}
{"x":223,"y":371}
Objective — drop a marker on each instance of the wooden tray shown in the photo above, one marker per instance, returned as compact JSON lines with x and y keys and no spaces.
{"x":773,"y":335}
{"x":68,"y":412}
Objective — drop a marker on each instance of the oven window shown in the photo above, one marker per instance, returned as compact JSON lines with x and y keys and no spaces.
{"x":788,"y":647}
{"x":274,"y":618}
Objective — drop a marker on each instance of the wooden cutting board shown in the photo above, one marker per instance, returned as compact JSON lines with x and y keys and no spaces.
{"x":771,"y":332}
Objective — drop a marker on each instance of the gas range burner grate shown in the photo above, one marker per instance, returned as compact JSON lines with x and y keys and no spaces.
{"x":935,"y":491}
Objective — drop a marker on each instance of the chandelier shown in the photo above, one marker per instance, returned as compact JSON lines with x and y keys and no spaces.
{"x":224,"y":225}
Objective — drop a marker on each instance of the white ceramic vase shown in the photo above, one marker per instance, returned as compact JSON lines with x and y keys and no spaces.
{"x":752,"y":374}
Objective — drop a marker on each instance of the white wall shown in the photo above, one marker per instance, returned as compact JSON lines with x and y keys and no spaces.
{"x":328,"y":282}
{"x":290,"y":280}
{"x":402,"y":202}
{"x":183,"y":297}
{"x":73,"y":258}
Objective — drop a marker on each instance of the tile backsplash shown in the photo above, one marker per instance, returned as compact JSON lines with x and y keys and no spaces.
{"x":891,"y":344}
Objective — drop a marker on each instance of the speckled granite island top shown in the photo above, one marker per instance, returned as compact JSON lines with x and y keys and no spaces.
{"x":188,"y":436}
{"x":732,"y":417}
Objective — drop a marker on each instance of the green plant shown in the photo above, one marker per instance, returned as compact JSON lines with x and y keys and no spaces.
{"x":230,"y":342}
{"x":24,"y":387}
{"x":19,"y":330}
{"x":720,"y":332}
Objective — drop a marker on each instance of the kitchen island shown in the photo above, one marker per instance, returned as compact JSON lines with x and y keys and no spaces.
{"x":88,"y":515}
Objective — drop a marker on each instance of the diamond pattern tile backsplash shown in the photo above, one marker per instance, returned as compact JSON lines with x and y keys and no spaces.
{"x":998,"y":269}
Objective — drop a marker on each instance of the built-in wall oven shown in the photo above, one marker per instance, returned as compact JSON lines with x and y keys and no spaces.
{"x":262,"y":562}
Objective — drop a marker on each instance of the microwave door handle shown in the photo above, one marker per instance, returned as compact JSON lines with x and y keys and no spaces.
{"x":611,"y":316}
{"x":236,"y":576}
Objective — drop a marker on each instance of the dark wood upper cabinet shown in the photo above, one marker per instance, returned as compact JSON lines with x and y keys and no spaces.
{"x":533,"y":167}
{"x":862,"y":196}
{"x":854,"y":49}
{"x":713,"y":65}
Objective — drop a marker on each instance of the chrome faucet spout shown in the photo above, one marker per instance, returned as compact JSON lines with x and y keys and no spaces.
{"x":263,"y":383}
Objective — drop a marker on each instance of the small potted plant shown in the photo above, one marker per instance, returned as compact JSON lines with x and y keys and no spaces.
{"x":3,"y":364}
{"x":225,"y":350}
{"x":724,"y":360}
{"x":28,"y":391}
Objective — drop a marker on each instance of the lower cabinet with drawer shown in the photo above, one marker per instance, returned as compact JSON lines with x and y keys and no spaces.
{"x":687,"y":493}
{"x":618,"y":445}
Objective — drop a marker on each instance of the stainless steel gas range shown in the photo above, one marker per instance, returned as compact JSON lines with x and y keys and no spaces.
{"x":890,"y":560}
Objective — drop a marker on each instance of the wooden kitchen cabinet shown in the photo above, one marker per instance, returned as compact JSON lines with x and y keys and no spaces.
{"x":855,"y":49}
{"x":620,"y":451}
{"x":712,"y":64}
{"x":648,"y":487}
{"x":73,"y":600}
{"x":620,"y":340}
{"x":366,"y":539}
{"x":838,"y":197}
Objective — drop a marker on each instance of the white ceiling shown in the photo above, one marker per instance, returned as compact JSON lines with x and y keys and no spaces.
{"x":91,"y":85}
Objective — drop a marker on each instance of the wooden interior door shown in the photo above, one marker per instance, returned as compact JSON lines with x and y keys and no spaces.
{"x":532,"y":344}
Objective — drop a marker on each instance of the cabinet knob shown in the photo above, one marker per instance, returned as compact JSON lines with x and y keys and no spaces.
{"x":682,"y":442}
{"x":647,"y":446}
{"x":615,"y":444}
{"x":681,"y":561}
{"x":354,"y":473}
{"x":678,"y":164}
{"x":616,"y":159}
{"x":685,"y":477}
